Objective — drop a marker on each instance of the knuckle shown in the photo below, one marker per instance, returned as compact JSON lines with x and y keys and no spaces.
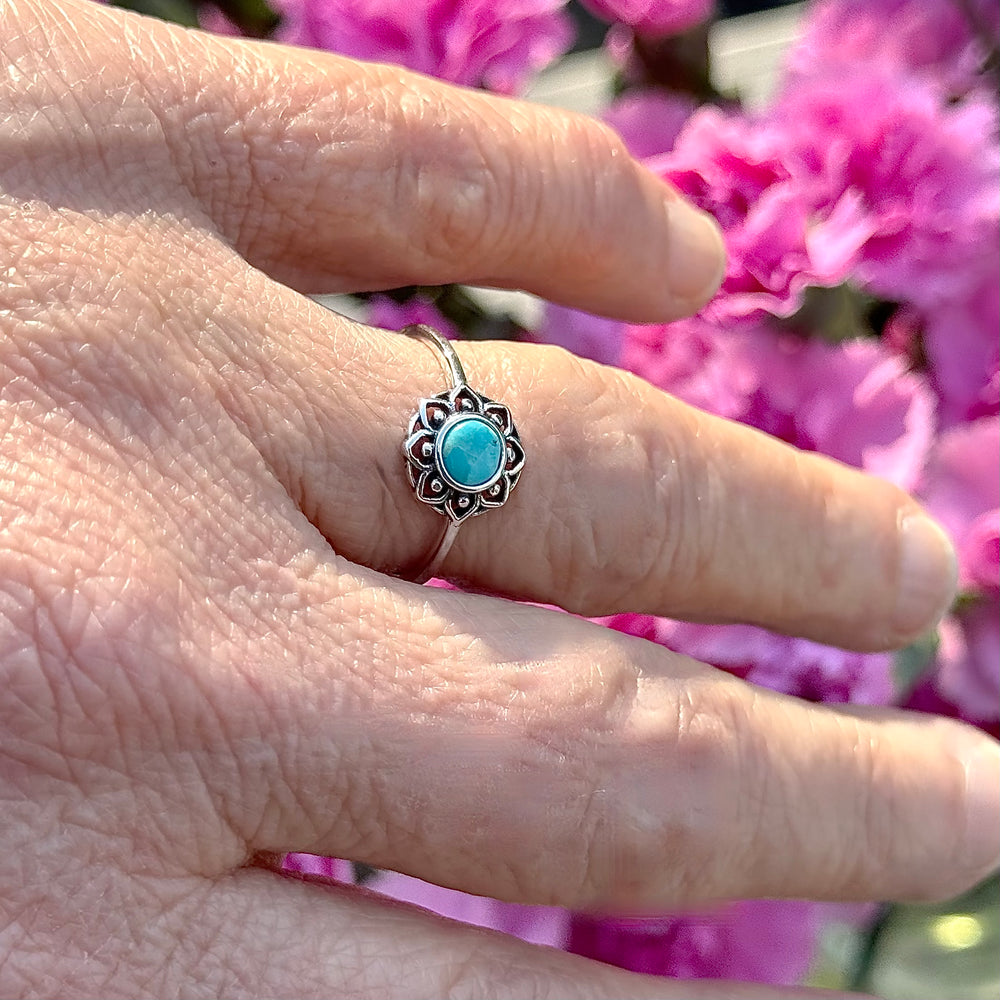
{"x":692,"y":735}
{"x":910,"y":865}
{"x":462,"y":205}
{"x":461,"y":197}
{"x":715,"y":751}
{"x":632,"y":530}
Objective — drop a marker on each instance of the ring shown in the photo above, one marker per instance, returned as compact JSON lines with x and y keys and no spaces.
{"x":463,"y":454}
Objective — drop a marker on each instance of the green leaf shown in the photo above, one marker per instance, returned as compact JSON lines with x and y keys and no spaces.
{"x":253,"y":17}
{"x":179,"y":11}
{"x":913,"y":662}
{"x":833,"y":314}
{"x":924,"y":952}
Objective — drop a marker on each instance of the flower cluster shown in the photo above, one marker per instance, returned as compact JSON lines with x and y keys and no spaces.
{"x":653,"y":17}
{"x":858,"y":318}
{"x":961,"y":487}
{"x":477,"y":42}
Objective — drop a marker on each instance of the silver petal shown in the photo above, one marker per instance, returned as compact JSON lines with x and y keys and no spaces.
{"x":515,"y":456}
{"x":461,"y":506}
{"x":465,"y":400}
{"x":496,"y":495}
{"x":431,"y":488}
{"x":419,"y":449}
{"x":500,"y":415}
{"x":435,"y":411}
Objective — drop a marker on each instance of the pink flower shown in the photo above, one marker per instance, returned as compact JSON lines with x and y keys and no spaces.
{"x":696,"y":361}
{"x":210,"y":18}
{"x":765,"y":941}
{"x":908,"y":191}
{"x":877,"y":180}
{"x":968,"y":659}
{"x":980,"y":555}
{"x":962,"y":489}
{"x":904,"y":188}
{"x":497,"y":44}
{"x":649,"y":120}
{"x":312,"y":864}
{"x":770,"y":941}
{"x":936,"y":39}
{"x":653,"y":17}
{"x":963,"y":353}
{"x":537,"y":924}
{"x":855,"y":401}
{"x":927,"y":697}
{"x":798,"y":667}
{"x":389,"y":314}
{"x":585,"y":335}
{"x":739,"y":169}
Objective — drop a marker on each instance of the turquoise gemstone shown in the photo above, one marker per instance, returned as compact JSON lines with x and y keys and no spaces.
{"x":471,"y":452}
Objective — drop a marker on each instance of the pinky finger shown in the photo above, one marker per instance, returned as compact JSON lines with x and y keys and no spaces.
{"x":307,"y":938}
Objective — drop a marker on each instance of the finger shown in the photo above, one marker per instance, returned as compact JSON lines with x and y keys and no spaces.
{"x":325,"y":940}
{"x":331,"y":174}
{"x":629,"y":500}
{"x":438,"y":733}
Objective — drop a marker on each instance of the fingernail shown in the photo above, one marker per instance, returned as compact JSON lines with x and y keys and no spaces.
{"x":697,"y":258}
{"x":928,"y":570}
{"x":982,"y":806}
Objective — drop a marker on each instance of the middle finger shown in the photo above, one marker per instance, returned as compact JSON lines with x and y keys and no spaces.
{"x":436,"y":733}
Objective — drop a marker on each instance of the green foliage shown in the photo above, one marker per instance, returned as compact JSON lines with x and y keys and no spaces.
{"x":254,"y":18}
{"x":179,"y":11}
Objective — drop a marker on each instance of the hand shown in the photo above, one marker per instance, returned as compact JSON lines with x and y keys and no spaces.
{"x":204,"y":663}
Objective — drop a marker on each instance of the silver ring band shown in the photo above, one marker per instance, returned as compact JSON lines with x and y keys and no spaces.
{"x":462,"y":450}
{"x":449,"y":357}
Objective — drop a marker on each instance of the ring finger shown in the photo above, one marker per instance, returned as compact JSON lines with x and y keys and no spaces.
{"x":629,"y":499}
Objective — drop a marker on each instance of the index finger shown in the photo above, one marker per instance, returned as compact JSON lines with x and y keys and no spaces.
{"x":336,"y":175}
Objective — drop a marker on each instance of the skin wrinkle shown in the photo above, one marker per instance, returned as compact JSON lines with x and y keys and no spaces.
{"x":349,"y":149}
{"x":241,"y":685}
{"x":69,"y":181}
{"x":91,"y":881}
{"x":679,"y":735}
{"x":755,"y":814}
{"x":98,"y":459}
{"x":383,"y":477}
{"x":75,"y":750}
{"x":622,"y":448}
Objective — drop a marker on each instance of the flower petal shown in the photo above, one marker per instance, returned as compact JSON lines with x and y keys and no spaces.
{"x":496,"y":495}
{"x":433,"y":412}
{"x":500,"y":415}
{"x":419,"y":449}
{"x":461,"y":506}
{"x":515,"y":457}
{"x":431,"y":488}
